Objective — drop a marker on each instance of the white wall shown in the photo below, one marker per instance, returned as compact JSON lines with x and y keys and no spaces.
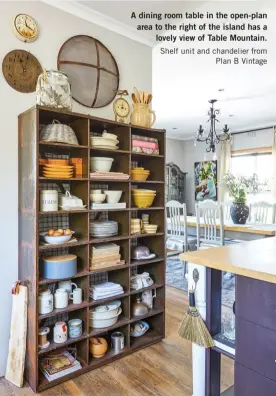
{"x":174,"y":152}
{"x":192,"y":154}
{"x":135,"y":66}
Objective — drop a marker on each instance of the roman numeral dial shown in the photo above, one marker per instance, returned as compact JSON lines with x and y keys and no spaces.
{"x":21,"y":70}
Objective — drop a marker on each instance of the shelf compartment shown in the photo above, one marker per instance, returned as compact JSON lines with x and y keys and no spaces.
{"x":155,"y":217}
{"x":121,"y":322}
{"x":155,"y":270}
{"x":124,"y":252}
{"x":154,"y":164}
{"x":80,"y":125}
{"x":124,"y":187}
{"x":110,"y":354}
{"x":77,"y":222}
{"x":155,"y":243}
{"x":159,"y":198}
{"x":154,"y":334}
{"x":120,"y":163}
{"x":122,"y":132}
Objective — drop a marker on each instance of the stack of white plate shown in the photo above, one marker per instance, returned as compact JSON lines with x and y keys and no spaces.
{"x":102,"y":229}
{"x":106,"y":141}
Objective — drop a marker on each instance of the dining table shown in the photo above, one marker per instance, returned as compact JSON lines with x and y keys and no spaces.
{"x":245,"y":232}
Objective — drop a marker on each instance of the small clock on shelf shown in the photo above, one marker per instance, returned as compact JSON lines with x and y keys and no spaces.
{"x":21,"y":70}
{"x":25,"y":28}
{"x":121,"y":107}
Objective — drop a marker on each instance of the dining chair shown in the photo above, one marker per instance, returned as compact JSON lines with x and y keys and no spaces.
{"x":262,"y":213}
{"x":226,"y":210}
{"x":177,"y":237}
{"x":208,"y":213}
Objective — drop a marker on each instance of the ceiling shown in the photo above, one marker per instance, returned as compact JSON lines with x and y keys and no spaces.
{"x":182,"y":85}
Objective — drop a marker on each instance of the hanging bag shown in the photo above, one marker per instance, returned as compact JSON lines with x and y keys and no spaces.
{"x":53,"y":89}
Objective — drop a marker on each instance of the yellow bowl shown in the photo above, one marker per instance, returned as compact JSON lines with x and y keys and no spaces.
{"x":139,"y":176}
{"x":143,"y":202}
{"x":150,"y":228}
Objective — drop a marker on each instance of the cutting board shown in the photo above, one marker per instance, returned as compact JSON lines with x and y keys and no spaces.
{"x":18,"y":334}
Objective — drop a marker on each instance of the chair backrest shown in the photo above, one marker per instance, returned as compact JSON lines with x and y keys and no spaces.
{"x":262,"y":212}
{"x":226,"y":210}
{"x":208,"y":215}
{"x":177,"y":220}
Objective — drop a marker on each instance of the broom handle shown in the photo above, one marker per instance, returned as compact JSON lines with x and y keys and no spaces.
{"x":192,"y":299}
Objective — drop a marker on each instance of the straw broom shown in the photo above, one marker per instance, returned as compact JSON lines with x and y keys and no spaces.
{"x":193,"y":328}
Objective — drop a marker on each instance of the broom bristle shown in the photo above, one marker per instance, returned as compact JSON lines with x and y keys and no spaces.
{"x":194,"y":329}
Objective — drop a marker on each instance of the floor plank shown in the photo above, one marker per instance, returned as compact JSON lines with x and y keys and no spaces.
{"x":164,"y":369}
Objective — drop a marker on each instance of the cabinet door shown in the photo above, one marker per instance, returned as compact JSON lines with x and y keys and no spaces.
{"x":249,"y":383}
{"x":256,"y":348}
{"x":256,"y":301}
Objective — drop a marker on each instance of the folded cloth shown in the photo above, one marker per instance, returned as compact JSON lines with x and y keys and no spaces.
{"x":101,"y":296}
{"x":106,"y":286}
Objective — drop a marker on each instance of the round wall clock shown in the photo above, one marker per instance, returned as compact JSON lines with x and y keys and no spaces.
{"x":91,"y":69}
{"x":25,"y":28}
{"x":21,"y":70}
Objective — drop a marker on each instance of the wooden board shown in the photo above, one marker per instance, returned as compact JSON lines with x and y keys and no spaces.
{"x":18,"y":334}
{"x":255,"y":259}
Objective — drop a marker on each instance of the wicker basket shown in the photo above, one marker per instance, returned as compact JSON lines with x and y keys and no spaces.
{"x":57,"y":132}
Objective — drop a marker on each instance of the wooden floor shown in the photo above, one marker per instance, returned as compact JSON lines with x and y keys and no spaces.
{"x":163,"y":369}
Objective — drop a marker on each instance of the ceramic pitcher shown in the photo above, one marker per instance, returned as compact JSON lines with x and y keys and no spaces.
{"x":142,"y":115}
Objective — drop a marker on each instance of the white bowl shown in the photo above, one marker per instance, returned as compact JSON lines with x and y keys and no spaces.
{"x":101,"y":164}
{"x":97,"y":198}
{"x":110,"y":310}
{"x":113,"y":197}
{"x":102,"y":323}
{"x":95,"y":191}
{"x":56,"y":240}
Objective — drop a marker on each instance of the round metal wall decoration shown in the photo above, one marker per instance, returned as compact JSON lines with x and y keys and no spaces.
{"x":91,"y":69}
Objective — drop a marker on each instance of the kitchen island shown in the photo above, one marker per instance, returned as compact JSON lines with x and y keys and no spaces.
{"x":254,"y":264}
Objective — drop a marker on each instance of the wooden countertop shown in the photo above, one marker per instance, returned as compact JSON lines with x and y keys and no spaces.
{"x":255,"y":259}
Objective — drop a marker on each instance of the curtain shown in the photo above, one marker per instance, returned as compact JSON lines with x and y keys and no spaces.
{"x":274,"y":165}
{"x":224,"y":168}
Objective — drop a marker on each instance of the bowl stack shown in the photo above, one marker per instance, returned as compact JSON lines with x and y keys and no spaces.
{"x":143,"y":198}
{"x":57,"y":169}
{"x":106,"y":141}
{"x":139,"y":174}
{"x":102,"y":229}
{"x":150,"y":228}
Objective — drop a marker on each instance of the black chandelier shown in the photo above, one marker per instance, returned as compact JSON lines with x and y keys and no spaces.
{"x":212,"y":139}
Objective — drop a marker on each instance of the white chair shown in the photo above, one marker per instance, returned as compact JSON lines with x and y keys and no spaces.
{"x":226,"y":210}
{"x":262,"y":213}
{"x":177,"y":234}
{"x":208,"y":213}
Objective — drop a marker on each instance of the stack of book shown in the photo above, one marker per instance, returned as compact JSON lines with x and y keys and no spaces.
{"x":105,"y":256}
{"x":57,"y":366}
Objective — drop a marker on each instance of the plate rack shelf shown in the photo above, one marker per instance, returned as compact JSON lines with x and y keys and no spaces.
{"x":32,"y":221}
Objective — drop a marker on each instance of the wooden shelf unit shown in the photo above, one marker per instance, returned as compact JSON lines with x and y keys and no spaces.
{"x":32,"y":220}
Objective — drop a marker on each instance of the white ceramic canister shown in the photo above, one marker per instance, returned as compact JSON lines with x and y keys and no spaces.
{"x":61,"y":298}
{"x":45,"y":302}
{"x":75,"y":328}
{"x":60,"y":332}
{"x":48,"y":200}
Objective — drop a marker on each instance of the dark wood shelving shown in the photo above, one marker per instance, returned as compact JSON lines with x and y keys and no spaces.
{"x":43,"y":281}
{"x":109,"y":269}
{"x":53,"y":346}
{"x":59,"y":212}
{"x":105,"y":300}
{"x":152,"y":312}
{"x":135,"y":236}
{"x":136,"y":263}
{"x":108,"y":239}
{"x":80,"y":242}
{"x":109,"y":150}
{"x":71,"y":307}
{"x":63,"y":145}
{"x":154,"y":286}
{"x":32,"y":221}
{"x":121,"y":322}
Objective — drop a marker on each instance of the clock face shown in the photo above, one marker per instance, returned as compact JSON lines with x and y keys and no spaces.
{"x":121,"y":107}
{"x":21,"y":70}
{"x":26,"y":28}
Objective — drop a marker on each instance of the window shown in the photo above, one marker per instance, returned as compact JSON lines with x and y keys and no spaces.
{"x":255,"y":162}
